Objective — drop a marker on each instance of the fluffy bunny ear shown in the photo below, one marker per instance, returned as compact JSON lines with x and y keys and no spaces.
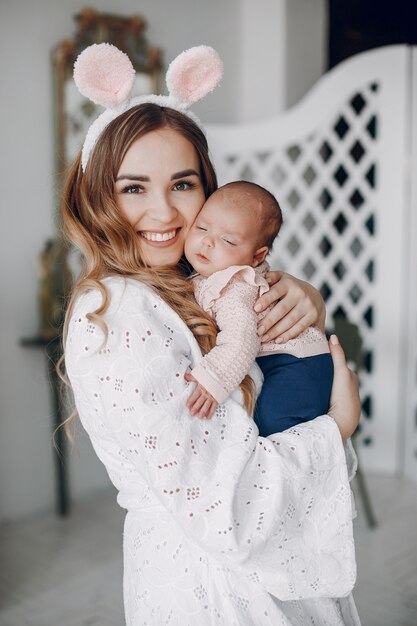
{"x":194,"y":73}
{"x":104,"y":74}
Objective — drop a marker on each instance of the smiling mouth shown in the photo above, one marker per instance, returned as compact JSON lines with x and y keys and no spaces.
{"x":159,"y":239}
{"x":149,"y":236}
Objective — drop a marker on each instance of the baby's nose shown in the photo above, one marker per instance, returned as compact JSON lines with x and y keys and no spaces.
{"x":209,"y":242}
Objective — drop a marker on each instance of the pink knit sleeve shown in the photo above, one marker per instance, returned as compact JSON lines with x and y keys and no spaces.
{"x":223,"y":368}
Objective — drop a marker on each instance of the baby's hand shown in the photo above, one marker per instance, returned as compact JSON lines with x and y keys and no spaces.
{"x":200,"y":403}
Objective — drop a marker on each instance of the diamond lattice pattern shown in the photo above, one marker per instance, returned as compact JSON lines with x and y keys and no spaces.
{"x":326,"y":185}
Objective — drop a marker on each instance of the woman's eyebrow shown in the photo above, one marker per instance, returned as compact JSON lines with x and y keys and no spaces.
{"x":142,"y":179}
{"x":184,"y":173}
{"x":146,"y":179}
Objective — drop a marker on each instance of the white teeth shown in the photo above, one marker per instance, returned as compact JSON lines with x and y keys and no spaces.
{"x":159,"y":236}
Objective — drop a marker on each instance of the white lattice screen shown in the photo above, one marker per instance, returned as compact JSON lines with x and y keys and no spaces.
{"x":336,"y":163}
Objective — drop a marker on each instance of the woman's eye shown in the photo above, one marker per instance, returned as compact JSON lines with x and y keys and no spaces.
{"x":183,"y":185}
{"x":132,"y":189}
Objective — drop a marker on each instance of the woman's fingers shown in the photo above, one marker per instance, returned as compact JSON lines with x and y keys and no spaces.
{"x":282,"y":324}
{"x":298,"y":306}
{"x":345,"y":403}
{"x":273,"y":277}
{"x":289,"y":327}
{"x":276,"y":320}
{"x":277,"y":291}
{"x":338,"y":354}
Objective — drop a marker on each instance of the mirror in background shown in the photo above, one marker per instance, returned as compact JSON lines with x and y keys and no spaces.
{"x":74,"y":113}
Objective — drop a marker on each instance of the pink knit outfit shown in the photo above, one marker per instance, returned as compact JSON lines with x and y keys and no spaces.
{"x":229,"y":296}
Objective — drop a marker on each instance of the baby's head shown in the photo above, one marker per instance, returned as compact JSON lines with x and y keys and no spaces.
{"x":236,"y":226}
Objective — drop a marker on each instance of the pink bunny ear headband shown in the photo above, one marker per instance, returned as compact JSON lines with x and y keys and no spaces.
{"x":106,"y":75}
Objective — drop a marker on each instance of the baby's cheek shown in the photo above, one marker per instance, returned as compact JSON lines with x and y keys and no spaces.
{"x":187,"y":245}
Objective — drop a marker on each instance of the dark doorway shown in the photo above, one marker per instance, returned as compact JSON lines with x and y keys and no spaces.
{"x":358,"y":25}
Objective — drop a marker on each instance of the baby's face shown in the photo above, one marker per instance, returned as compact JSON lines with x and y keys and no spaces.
{"x":223,"y":234}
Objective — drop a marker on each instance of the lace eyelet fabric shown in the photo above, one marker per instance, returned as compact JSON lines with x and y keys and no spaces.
{"x":222,"y":526}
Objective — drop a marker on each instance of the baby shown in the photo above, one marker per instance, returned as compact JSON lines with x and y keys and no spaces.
{"x":227,"y":246}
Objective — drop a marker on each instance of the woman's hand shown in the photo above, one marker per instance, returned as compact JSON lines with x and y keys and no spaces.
{"x":345,"y":403}
{"x":299,"y":305}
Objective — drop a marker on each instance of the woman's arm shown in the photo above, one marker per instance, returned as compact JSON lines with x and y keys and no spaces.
{"x":298,"y":306}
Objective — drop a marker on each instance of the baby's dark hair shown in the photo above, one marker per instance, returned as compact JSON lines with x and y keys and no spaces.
{"x":264,"y":202}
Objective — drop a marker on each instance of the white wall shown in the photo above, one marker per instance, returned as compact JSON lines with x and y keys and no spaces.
{"x":305,"y":46}
{"x":262,"y":59}
{"x":283,"y":52}
{"x":251,"y":45}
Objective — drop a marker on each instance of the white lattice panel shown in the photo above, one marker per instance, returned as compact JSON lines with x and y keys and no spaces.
{"x":336,"y":163}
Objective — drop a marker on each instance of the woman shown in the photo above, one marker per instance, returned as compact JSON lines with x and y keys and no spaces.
{"x":222,"y":527}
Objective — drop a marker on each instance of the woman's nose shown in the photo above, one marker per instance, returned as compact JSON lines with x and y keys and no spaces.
{"x":160,"y":208}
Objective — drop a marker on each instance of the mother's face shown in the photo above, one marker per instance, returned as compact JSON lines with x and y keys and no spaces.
{"x":159,"y":192}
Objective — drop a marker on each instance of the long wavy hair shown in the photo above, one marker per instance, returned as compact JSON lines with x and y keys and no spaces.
{"x":92,"y":221}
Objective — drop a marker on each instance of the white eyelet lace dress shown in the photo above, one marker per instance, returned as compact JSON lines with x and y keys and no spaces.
{"x":223,"y":527}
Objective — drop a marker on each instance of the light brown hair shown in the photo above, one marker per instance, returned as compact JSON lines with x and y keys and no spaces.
{"x":92,"y":221}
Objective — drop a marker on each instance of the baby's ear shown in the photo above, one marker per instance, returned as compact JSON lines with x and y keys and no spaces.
{"x":259,"y":256}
